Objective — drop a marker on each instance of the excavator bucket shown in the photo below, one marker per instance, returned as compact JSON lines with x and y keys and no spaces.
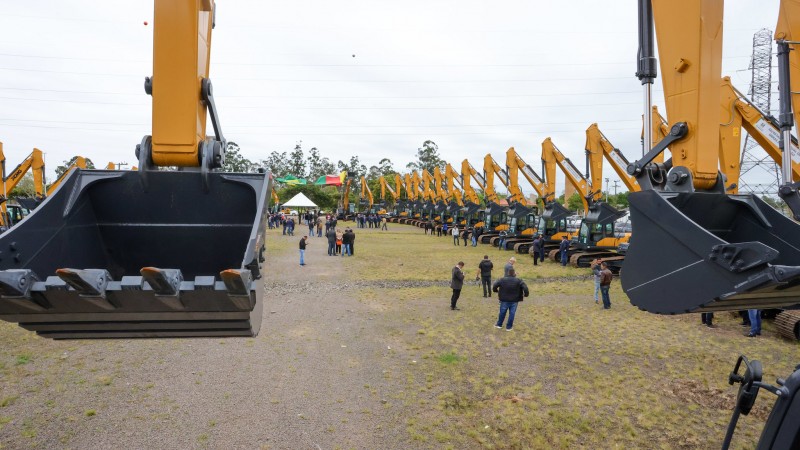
{"x":109,"y":255}
{"x":700,"y":252}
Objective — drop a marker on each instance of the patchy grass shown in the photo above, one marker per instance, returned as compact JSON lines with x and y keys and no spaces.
{"x":570,"y":374}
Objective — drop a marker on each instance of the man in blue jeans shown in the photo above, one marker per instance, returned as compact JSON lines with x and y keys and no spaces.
{"x":303,"y":250}
{"x":563,"y":247}
{"x":510,"y":291}
{"x":755,"y":322}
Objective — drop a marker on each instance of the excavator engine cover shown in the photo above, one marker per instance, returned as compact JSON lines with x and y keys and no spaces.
{"x":115,"y":254}
{"x":702,"y":251}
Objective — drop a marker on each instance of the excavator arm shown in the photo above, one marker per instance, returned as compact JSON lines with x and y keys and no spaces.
{"x":79,"y":163}
{"x":181,"y":88}
{"x":33,"y":162}
{"x":468,"y":172}
{"x":275,"y":200}
{"x":451,"y":177}
{"x":366,"y":194}
{"x":598,"y":146}
{"x":515,"y":163}
{"x":738,"y":112}
{"x":490,"y":168}
{"x":512,"y":170}
{"x":553,"y":157}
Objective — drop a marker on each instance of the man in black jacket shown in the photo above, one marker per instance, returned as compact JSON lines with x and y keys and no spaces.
{"x":456,"y":283}
{"x":485,"y":268}
{"x":303,"y":250}
{"x":331,"y":235}
{"x":347,"y":242}
{"x":510,"y":291}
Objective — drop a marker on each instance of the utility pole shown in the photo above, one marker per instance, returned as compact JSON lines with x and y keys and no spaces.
{"x":615,"y":182}
{"x":615,"y":187}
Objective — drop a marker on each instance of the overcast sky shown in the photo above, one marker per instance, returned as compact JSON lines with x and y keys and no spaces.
{"x":370,"y":78}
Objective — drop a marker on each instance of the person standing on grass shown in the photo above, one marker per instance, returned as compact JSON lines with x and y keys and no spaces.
{"x":465,"y":235}
{"x":563,"y":247}
{"x":456,"y":283}
{"x":476,"y":234}
{"x":509,"y":266}
{"x":319,"y":226}
{"x":540,"y":249}
{"x":755,"y":322}
{"x":331,"y":235}
{"x":346,"y":242}
{"x":303,"y":250}
{"x":383,"y":224}
{"x":510,"y":291}
{"x":605,"y":284}
{"x":339,"y":235}
{"x":596,"y":274}
{"x":454,"y":232}
{"x":485,"y":267}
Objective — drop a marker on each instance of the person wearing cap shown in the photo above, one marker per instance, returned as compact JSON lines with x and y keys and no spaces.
{"x":303,"y":242}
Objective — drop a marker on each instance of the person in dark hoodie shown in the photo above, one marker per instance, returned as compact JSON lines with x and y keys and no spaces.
{"x":510,"y":291}
{"x":347,"y":241}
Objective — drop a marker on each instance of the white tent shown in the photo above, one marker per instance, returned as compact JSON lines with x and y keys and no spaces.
{"x":300,"y":201}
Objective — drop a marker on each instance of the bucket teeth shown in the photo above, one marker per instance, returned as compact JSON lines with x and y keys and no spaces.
{"x":16,"y":282}
{"x":166,"y":284}
{"x":237,"y":283}
{"x":90,"y":284}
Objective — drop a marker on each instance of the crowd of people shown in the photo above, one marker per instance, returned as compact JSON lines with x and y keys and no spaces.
{"x":341,"y":242}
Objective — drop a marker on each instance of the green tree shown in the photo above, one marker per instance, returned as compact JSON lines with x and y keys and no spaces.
{"x":427,"y":158}
{"x":24,"y":188}
{"x":276,"y":163}
{"x":318,"y":165}
{"x":574,"y":202}
{"x":297,"y":162}
{"x":234,"y":161}
{"x":386,"y":168}
{"x":621,"y":200}
{"x":66,"y":164}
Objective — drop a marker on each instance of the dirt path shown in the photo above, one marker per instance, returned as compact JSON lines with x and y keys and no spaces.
{"x":311,"y":379}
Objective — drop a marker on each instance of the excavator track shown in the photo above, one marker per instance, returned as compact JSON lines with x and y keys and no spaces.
{"x":788,"y":324}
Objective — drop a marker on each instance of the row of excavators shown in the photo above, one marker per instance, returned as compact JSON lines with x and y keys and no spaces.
{"x":176,"y":248}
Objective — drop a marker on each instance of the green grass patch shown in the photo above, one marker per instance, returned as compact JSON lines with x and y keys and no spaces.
{"x":449,"y":358}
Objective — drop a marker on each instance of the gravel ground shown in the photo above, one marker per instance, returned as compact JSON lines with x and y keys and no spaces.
{"x":314,"y":378}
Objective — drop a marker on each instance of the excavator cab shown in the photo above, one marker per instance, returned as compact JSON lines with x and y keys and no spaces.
{"x":148,"y":253}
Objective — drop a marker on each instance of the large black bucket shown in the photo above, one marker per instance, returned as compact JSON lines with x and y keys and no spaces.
{"x":699,"y":252}
{"x":105,"y":257}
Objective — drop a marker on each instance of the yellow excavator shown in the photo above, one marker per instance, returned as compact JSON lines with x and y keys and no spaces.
{"x":474,"y":213}
{"x":553,"y":224}
{"x":738,"y":112}
{"x":365,"y":200}
{"x":14,"y":213}
{"x":495,"y":215}
{"x":526,"y":227}
{"x":454,"y":197}
{"x":696,"y":247}
{"x":150,"y":253}
{"x":78,"y":163}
